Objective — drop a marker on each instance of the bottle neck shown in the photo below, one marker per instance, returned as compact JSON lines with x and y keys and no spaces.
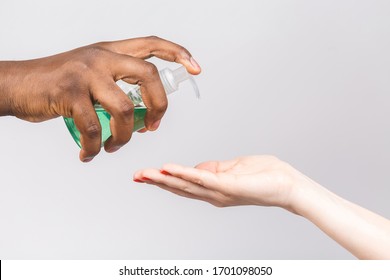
{"x":168,"y":81}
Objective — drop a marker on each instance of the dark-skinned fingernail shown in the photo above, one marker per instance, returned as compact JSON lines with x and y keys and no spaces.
{"x":146,"y":179}
{"x":138,"y":181}
{"x":113,"y":149}
{"x":87,"y":159}
{"x":155,"y":125}
{"x":194,"y":63}
{"x":165,"y":172}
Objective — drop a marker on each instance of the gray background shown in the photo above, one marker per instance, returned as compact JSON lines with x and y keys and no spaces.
{"x":307,"y":81}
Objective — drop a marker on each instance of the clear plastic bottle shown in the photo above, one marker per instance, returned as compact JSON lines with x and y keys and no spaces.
{"x":170,"y":80}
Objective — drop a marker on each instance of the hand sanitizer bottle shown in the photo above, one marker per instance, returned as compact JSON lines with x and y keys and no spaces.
{"x":170,"y":80}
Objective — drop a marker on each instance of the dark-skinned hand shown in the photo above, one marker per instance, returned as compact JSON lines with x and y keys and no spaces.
{"x":68,"y":84}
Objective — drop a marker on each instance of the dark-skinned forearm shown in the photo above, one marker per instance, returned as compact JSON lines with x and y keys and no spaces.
{"x":10,"y":80}
{"x":4,"y":88}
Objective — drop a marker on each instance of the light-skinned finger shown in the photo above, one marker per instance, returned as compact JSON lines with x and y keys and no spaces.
{"x":156,"y":176}
{"x":201,"y":177}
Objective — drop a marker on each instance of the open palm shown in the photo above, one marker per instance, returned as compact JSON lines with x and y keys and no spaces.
{"x":251,"y":180}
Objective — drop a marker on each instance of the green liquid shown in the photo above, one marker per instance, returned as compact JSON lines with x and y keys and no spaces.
{"x":104,"y":118}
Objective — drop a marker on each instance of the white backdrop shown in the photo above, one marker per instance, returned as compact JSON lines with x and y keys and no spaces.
{"x":307,"y":81}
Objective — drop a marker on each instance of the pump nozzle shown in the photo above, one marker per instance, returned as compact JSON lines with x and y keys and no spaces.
{"x":195,"y":87}
{"x":172,"y":78}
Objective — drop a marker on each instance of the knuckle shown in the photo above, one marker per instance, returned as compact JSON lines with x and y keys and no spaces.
{"x":91,"y":55}
{"x":150,"y":70}
{"x":182,"y":53}
{"x":126,"y":110}
{"x":93,"y":130}
{"x":71,"y":82}
{"x":94,"y":50}
{"x":187,"y":190}
{"x":161,"y":107}
{"x":199,"y":181}
{"x":153,"y":38}
{"x":82,"y":62}
{"x":100,"y":44}
{"x":79,"y":67}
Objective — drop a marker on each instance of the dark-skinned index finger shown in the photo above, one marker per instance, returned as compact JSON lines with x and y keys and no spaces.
{"x":146,"y":47}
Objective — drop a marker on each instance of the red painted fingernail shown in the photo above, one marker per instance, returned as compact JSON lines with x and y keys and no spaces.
{"x":146,"y":179}
{"x":165,"y":172}
{"x":138,"y":181}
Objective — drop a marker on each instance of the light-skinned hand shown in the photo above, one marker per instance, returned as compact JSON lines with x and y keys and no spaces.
{"x":251,"y":180}
{"x":268,"y":181}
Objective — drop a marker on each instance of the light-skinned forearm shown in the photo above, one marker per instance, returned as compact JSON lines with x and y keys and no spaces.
{"x":362,"y":232}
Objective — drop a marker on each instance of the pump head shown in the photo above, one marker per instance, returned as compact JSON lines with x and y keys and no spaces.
{"x":172,"y":78}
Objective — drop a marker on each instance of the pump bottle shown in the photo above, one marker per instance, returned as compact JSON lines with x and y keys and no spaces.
{"x":170,"y":80}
